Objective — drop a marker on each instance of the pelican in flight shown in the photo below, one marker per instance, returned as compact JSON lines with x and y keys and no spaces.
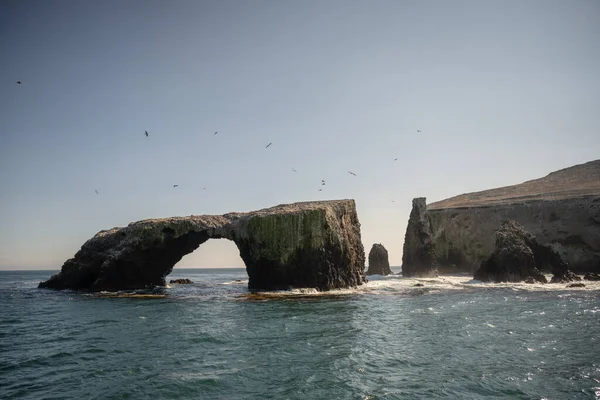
{"x":146,"y":133}
{"x":351,"y":173}
{"x":269,"y":145}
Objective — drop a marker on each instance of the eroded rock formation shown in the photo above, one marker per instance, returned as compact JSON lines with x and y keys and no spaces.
{"x":513,"y":260}
{"x":419,"y":257}
{"x":561,"y":210}
{"x":518,"y":256}
{"x":311,"y":244}
{"x":379,"y":263}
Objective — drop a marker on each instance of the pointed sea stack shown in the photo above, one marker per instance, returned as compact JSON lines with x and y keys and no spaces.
{"x":378,"y":261}
{"x":419,"y":258}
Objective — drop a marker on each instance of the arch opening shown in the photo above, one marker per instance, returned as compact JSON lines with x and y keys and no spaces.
{"x":213,"y":253}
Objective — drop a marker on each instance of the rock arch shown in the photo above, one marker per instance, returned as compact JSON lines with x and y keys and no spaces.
{"x":311,"y":244}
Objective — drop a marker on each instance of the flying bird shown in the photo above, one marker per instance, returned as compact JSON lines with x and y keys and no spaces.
{"x":294,"y":170}
{"x":396,"y":159}
{"x":18,"y":82}
{"x":96,"y":191}
{"x":320,"y":190}
{"x":203,"y":188}
{"x":269,"y":144}
{"x":418,"y":130}
{"x":175,"y":185}
{"x":216,"y":132}
{"x":351,"y":173}
{"x":146,"y":133}
{"x":322,"y":182}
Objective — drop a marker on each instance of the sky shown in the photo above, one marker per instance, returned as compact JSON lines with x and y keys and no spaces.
{"x":502,"y":92}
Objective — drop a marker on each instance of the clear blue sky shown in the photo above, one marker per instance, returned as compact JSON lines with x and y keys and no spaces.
{"x":503,"y":92}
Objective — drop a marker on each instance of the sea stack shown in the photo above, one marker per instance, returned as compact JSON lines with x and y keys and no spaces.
{"x":300,"y":245}
{"x":419,"y":258}
{"x":561,"y":209}
{"x":378,"y":261}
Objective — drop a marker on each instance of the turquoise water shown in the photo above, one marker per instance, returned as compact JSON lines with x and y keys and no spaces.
{"x":452,"y":338}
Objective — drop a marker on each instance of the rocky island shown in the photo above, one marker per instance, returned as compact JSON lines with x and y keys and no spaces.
{"x":310,"y":244}
{"x":562,"y":211}
{"x":379,"y":263}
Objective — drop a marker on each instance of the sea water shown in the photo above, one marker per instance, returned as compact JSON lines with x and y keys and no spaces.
{"x":389,"y":339}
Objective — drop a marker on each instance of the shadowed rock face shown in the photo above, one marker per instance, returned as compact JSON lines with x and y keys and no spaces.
{"x":312,"y":244}
{"x":513,"y":260}
{"x":379,"y":263}
{"x":518,"y":256}
{"x":418,"y":258}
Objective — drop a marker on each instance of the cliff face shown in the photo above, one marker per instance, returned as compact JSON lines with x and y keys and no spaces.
{"x":561,"y":210}
{"x":313,"y":244}
{"x":379,"y":263}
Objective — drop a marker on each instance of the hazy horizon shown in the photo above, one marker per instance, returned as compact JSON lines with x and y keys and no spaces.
{"x":502,"y":92}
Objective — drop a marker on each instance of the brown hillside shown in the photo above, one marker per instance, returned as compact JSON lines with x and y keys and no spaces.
{"x":577,"y":181}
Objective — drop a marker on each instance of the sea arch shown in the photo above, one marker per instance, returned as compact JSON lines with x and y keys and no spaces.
{"x":310,"y":244}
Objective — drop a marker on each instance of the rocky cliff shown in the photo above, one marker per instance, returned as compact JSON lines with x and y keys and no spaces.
{"x":312,"y":244}
{"x":561,"y":210}
{"x":379,"y":263}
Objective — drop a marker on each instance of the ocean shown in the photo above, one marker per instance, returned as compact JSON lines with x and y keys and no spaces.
{"x":389,"y":339}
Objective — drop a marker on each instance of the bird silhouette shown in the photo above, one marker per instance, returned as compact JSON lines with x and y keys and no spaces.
{"x":320,"y":190}
{"x":294,"y":170}
{"x":396,"y":159}
{"x":418,"y":130}
{"x":96,"y":191}
{"x":203,"y":188}
{"x":175,"y":185}
{"x":216,"y":132}
{"x":351,"y":173}
{"x":18,"y":82}
{"x":146,"y":133}
{"x":269,"y":145}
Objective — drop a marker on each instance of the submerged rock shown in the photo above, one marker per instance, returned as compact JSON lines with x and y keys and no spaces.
{"x":378,"y":261}
{"x":419,"y":259}
{"x":181,"y":281}
{"x":312,"y":244}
